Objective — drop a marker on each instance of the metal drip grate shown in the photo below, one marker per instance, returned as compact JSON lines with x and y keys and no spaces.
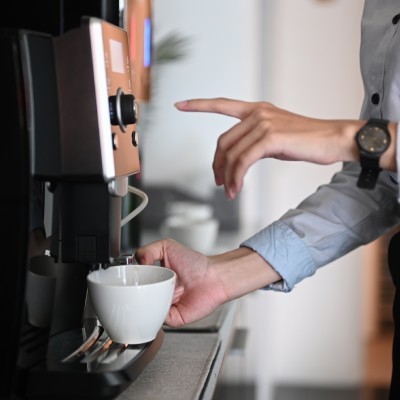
{"x":82,"y":360}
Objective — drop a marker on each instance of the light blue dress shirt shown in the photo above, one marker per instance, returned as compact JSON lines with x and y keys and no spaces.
{"x":340,"y":216}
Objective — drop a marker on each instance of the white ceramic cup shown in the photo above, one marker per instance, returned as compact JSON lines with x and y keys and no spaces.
{"x":190,"y":209}
{"x":132,"y":301}
{"x":197,"y":234}
{"x":40,"y":290}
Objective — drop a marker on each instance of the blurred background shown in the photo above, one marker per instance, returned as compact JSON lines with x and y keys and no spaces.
{"x":331,"y":336}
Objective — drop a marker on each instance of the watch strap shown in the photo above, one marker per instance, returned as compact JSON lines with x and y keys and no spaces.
{"x":368,"y":177}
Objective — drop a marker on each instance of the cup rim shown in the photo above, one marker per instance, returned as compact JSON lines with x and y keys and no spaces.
{"x":91,"y":276}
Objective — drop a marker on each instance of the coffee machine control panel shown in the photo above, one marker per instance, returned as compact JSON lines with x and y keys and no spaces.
{"x":123,"y":109}
{"x":98,"y":109}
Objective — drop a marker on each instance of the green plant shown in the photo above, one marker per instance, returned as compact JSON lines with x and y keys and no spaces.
{"x":171,"y":47}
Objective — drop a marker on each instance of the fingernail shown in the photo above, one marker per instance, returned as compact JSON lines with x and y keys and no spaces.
{"x":228,"y":194}
{"x":181,"y":104}
{"x":218,"y":181}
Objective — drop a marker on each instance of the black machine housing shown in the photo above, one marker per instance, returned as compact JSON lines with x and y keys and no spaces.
{"x":73,"y":358}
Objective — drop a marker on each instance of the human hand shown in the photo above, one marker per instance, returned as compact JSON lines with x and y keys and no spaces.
{"x":205,"y":283}
{"x":198,"y":292}
{"x":266,"y":131}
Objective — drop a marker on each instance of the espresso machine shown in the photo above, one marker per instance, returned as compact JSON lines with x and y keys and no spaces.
{"x":70,"y":119}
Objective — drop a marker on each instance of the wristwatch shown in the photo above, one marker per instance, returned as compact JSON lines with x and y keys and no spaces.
{"x":372,"y":139}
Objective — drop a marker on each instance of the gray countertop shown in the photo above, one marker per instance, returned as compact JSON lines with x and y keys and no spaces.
{"x":189,"y":361}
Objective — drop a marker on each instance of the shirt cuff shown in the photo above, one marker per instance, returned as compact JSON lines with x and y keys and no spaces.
{"x":283,"y":249}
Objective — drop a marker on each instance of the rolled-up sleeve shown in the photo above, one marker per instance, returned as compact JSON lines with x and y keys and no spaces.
{"x":331,"y":222}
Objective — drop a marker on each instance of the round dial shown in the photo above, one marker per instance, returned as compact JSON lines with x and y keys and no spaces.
{"x":373,"y":139}
{"x":123,"y":109}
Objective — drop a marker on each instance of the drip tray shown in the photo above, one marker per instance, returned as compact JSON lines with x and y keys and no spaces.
{"x":86,"y":362}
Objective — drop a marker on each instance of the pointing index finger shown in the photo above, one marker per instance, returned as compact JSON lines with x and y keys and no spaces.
{"x":229,"y":107}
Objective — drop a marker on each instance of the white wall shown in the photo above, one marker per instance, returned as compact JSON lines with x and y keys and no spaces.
{"x":222,"y":60}
{"x":317,"y":335}
{"x":303,"y":56}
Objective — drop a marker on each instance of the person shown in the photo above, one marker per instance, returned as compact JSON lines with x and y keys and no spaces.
{"x":358,"y":205}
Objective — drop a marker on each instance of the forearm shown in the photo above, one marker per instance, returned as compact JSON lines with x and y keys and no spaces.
{"x":242,"y":271}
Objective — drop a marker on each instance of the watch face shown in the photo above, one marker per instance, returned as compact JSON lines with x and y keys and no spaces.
{"x":373,"y":139}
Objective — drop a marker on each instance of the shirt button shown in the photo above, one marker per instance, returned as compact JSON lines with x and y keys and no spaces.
{"x":393,"y":179}
{"x":375,"y":98}
{"x":396,"y":19}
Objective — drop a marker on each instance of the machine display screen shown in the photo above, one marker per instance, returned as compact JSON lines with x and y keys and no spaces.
{"x":147,"y":43}
{"x":117,"y":56}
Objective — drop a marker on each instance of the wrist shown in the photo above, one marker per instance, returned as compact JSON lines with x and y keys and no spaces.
{"x":349,"y":148}
{"x":242,"y":271}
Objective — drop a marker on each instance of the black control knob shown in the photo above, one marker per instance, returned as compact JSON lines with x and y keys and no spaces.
{"x":123,"y":109}
{"x":128,"y":109}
